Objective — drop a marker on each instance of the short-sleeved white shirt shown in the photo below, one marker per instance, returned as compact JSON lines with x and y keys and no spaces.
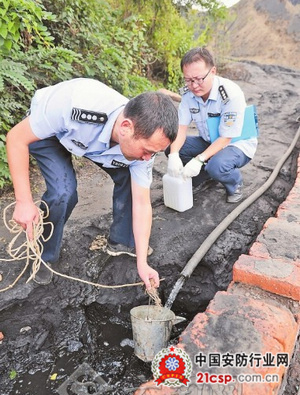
{"x":193,"y":108}
{"x":51,"y":115}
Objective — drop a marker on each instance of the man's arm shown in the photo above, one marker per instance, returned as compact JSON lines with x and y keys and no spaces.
{"x":193,"y":167}
{"x":17,"y":141}
{"x":142,"y":222}
{"x":216,"y":146}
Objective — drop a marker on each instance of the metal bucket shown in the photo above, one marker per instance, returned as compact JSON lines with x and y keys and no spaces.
{"x":151,"y":329}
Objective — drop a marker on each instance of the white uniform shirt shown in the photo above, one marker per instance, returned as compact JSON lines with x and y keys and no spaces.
{"x":52,"y":110}
{"x":193,"y":108}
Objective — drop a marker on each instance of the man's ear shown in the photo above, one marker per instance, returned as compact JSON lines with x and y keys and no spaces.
{"x":126,"y":127}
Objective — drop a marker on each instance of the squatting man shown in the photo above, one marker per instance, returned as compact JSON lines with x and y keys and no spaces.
{"x":86,"y":118}
{"x":208,"y":96}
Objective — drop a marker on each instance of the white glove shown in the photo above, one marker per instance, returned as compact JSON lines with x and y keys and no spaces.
{"x":175,"y":165}
{"x":192,"y":168}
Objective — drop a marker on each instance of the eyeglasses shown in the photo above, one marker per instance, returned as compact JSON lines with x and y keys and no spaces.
{"x":197,"y":80}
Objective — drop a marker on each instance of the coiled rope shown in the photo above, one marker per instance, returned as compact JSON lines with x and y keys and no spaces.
{"x":31,"y":251}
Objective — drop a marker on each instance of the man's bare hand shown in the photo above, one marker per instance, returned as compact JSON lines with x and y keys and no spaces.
{"x":26,"y":214}
{"x":146,"y":273}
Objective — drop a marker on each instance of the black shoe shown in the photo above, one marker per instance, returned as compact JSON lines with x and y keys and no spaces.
{"x":119,"y":249}
{"x":237,"y":196}
{"x":43,"y":276}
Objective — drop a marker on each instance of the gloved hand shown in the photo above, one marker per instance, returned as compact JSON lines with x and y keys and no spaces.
{"x":175,"y":165}
{"x":192,"y":168}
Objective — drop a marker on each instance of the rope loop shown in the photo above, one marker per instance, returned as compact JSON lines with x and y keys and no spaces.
{"x":21,"y":247}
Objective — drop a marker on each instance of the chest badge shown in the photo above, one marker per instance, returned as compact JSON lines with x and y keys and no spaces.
{"x":118,"y":164}
{"x":79,"y":144}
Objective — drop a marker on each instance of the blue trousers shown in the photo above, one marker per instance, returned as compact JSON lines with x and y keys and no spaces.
{"x":223,"y":166}
{"x":55,"y":163}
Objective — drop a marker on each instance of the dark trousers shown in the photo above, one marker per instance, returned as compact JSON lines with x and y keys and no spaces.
{"x":55,"y":163}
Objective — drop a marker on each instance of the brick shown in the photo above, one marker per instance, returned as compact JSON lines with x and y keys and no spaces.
{"x":278,"y":239}
{"x":289,"y":210}
{"x":236,"y":324}
{"x":278,"y":276}
{"x":151,"y":388}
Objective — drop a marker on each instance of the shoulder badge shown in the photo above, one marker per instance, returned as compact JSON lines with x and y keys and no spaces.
{"x":87,"y":116}
{"x":183,"y":90}
{"x":224,"y":94}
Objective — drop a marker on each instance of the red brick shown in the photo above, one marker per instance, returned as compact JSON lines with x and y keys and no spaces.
{"x":234,"y":323}
{"x":290,"y":208}
{"x":278,"y":239}
{"x":261,"y":327}
{"x":277,"y":276}
{"x":151,"y":388}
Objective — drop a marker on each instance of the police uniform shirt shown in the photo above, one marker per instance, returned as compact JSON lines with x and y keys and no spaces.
{"x":81,"y":113}
{"x":230,"y":106}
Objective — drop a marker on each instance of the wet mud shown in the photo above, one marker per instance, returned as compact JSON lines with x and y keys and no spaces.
{"x":70,"y":328}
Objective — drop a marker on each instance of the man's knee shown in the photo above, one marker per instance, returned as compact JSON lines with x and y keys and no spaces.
{"x":215,"y":169}
{"x":66,"y":196}
{"x":70,"y":197}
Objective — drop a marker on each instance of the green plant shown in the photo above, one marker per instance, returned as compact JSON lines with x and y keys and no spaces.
{"x":130,"y":45}
{"x":21,"y":25}
{"x":12,"y":374}
{"x":137,"y":84}
{"x":4,"y":172}
{"x":14,"y":82}
{"x":15,"y":87}
{"x":48,"y":66}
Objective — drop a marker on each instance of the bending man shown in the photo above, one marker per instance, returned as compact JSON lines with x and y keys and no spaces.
{"x":87,"y":118}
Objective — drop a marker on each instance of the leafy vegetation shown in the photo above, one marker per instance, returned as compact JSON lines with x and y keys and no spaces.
{"x":131,"y":45}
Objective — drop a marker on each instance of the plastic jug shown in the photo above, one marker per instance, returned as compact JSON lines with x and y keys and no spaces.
{"x":178,"y":193}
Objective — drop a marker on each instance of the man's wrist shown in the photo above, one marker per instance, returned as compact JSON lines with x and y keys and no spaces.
{"x":200,"y":158}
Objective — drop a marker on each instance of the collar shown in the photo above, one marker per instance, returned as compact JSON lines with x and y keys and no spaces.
{"x":105,"y":135}
{"x":214,"y":93}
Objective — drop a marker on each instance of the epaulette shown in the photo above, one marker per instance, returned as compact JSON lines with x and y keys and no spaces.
{"x":80,"y":115}
{"x":224,"y":94}
{"x":183,"y":90}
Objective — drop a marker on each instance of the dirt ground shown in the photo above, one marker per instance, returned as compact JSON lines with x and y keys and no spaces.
{"x":54,"y":329}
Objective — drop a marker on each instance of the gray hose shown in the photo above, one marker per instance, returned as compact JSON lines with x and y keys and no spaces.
{"x":213,"y":236}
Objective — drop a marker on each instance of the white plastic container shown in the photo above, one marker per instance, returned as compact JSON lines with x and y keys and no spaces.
{"x":178,"y":193}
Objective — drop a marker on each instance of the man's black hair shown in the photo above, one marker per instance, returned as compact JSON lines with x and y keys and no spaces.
{"x":150,"y":111}
{"x":197,"y":54}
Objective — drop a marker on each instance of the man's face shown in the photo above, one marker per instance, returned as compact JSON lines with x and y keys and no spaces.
{"x":199,"y":78}
{"x":141,"y":148}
